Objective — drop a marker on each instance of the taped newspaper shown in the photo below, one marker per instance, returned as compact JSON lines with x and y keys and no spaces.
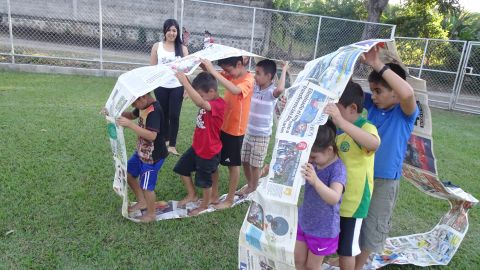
{"x":136,"y":83}
{"x":437,"y":246}
{"x":268,"y":234}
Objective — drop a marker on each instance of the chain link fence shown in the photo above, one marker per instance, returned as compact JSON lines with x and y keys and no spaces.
{"x":468,"y":91}
{"x":450,"y":67}
{"x":119,"y":34}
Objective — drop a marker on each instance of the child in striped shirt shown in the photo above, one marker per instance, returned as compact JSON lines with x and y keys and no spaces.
{"x":260,"y":121}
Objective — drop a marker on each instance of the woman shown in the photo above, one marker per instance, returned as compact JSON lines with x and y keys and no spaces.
{"x":170,"y":98}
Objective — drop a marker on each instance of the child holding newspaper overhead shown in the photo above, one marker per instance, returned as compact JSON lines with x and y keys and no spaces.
{"x":319,"y":216}
{"x":260,"y":121}
{"x":203,"y":156}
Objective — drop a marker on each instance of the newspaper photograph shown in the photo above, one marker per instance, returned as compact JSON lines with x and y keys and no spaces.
{"x":270,"y":230}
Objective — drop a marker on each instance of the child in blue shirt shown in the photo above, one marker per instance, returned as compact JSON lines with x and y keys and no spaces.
{"x":393,"y":110}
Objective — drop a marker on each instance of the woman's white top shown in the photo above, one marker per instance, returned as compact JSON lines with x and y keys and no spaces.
{"x":165,"y":57}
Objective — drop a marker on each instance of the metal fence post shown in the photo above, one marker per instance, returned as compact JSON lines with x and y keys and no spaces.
{"x":423,"y":59}
{"x":100,"y":15}
{"x":318,"y":36}
{"x":456,"y":89}
{"x":182,"y":7}
{"x":251,"y":38}
{"x":392,"y":34}
{"x":175,"y":10}
{"x":466,"y":58}
{"x":10,"y":29}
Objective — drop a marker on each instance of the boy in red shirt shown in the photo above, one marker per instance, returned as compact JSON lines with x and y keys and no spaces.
{"x":238,"y":83}
{"x":203,"y":156}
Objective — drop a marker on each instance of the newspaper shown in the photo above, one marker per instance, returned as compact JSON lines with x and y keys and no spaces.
{"x":268,"y":234}
{"x":136,"y":83}
{"x":437,"y":246}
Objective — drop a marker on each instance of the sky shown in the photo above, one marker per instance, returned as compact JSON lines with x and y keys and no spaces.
{"x":469,"y":5}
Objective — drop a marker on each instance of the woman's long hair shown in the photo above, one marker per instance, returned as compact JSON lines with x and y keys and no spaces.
{"x":178,"y":41}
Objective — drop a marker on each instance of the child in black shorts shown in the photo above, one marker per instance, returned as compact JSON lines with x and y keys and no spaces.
{"x":203,"y":156}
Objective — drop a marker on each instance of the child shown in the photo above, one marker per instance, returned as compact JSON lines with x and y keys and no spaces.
{"x":238,"y":83}
{"x":203,"y":155}
{"x":318,"y":217}
{"x":207,"y":40}
{"x":357,"y":144}
{"x":259,"y":128}
{"x":150,"y":154}
{"x":393,"y":110}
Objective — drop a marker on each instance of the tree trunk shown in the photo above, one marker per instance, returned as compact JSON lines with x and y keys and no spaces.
{"x":375,"y":9}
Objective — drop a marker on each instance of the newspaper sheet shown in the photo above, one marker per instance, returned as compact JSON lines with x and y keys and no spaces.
{"x":268,"y":234}
{"x":437,"y":246}
{"x":136,"y":83}
{"x":322,"y":81}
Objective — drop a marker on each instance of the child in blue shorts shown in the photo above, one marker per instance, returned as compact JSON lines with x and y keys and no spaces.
{"x":150,"y":154}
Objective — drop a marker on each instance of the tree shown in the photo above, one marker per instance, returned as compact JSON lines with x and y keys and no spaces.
{"x":422,"y":18}
{"x":348,"y":9}
{"x":374,"y":10}
{"x":463,"y":25}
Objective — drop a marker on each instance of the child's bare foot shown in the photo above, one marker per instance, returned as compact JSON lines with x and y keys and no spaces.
{"x":214,"y":200}
{"x":147,"y":218}
{"x":161,"y":204}
{"x":197,"y":211}
{"x":244,"y":191}
{"x":241,"y":191}
{"x":223,"y":205}
{"x":248,"y":191}
{"x":173,"y":150}
{"x":182,"y":203}
{"x":137,"y":206}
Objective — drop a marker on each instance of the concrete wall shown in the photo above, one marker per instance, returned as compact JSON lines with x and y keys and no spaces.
{"x":134,"y":24}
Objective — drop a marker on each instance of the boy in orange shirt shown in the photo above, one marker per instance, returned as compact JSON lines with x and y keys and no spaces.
{"x":238,"y":83}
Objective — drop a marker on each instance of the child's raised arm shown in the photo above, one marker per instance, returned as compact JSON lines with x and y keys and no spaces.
{"x":208,"y":66}
{"x":362,"y":137}
{"x":330,"y":194}
{"x":281,"y":82}
{"x":196,"y":98}
{"x":401,"y":88}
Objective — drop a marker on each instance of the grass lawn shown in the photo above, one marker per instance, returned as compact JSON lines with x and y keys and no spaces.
{"x":56,"y":172}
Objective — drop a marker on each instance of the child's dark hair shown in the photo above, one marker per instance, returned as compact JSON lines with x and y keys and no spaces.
{"x":353,"y":94}
{"x":325,"y":137}
{"x":231,"y":61}
{"x":204,"y":82}
{"x":376,"y":78}
{"x":269,"y":67}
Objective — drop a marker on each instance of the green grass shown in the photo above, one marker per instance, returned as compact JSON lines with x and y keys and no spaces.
{"x":56,"y":172}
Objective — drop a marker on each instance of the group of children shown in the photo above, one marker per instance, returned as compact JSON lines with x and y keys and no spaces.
{"x":232,"y":131}
{"x":351,"y":178}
